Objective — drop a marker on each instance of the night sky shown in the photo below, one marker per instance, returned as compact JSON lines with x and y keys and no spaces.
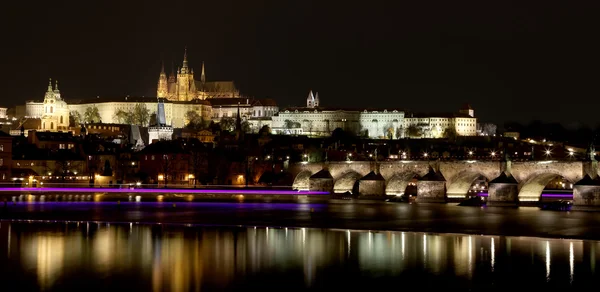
{"x":511,"y":60}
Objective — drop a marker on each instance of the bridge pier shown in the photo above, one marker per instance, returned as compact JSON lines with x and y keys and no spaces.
{"x":431,"y":188}
{"x":586,"y":194}
{"x":321,"y":181}
{"x":503,"y":191}
{"x":371,"y":185}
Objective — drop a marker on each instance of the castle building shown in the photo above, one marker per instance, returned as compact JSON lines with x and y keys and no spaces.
{"x":184,"y":87}
{"x":438,"y":125}
{"x":55,"y":116}
{"x":315,"y":120}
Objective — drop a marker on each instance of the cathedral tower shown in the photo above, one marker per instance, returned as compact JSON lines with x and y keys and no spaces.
{"x":310,"y":100}
{"x":186,"y":87}
{"x":163,"y":88}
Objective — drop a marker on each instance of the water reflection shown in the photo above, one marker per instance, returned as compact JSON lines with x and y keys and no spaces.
{"x":159,"y":258}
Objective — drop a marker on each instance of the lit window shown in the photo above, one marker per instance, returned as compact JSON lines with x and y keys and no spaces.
{"x":1,"y":147}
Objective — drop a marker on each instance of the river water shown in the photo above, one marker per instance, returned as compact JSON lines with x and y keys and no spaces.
{"x":70,"y":256}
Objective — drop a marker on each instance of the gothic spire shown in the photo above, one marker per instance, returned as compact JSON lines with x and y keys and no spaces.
{"x":49,"y":84}
{"x":56,"y":85}
{"x":185,"y":61}
{"x":202,"y":76}
{"x":162,"y":67}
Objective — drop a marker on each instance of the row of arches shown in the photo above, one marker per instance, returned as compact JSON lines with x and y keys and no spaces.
{"x":459,"y":186}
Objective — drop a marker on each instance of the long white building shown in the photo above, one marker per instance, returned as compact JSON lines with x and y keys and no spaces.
{"x":315,"y":120}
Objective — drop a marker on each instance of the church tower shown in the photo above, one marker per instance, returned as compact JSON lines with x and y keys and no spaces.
{"x":310,"y":100}
{"x":163,"y":88}
{"x":316,"y":102}
{"x":186,"y":87}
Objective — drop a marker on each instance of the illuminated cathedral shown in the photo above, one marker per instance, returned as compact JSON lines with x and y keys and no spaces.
{"x":181,"y":85}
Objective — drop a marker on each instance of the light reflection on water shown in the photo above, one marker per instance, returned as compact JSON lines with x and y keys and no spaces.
{"x":58,"y":256}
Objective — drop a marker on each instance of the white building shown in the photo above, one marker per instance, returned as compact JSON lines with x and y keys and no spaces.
{"x":314,"y":120}
{"x":3,"y":112}
{"x":55,"y":116}
{"x":438,"y":125}
{"x":160,"y":131}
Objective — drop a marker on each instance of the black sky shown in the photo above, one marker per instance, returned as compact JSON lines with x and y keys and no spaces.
{"x":512,"y":60}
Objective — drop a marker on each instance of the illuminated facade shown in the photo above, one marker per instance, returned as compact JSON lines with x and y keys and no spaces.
{"x":314,"y":120}
{"x":183,"y":86}
{"x":440,"y":125}
{"x":55,"y":115}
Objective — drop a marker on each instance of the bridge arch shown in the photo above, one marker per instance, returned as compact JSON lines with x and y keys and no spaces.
{"x":348,"y":182}
{"x":531,"y":189}
{"x":459,"y":185}
{"x":301,"y":180}
{"x":397,"y":184}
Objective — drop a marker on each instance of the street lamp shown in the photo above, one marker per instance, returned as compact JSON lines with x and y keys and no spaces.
{"x":493,"y":154}
{"x":425,"y":154}
{"x":470,"y":153}
{"x":548,"y":152}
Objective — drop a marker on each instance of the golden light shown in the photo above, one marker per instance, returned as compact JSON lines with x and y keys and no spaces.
{"x":161,"y":177}
{"x":470,"y":152}
{"x":132,"y":163}
{"x":190,"y":176}
{"x":160,"y":198}
{"x":31,"y":177}
{"x":425,"y":154}
{"x":493,"y":153}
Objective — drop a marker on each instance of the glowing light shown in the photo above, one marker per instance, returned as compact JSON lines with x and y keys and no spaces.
{"x":425,"y":154}
{"x":571,"y":261}
{"x":547,"y":261}
{"x":548,"y":152}
{"x":470,"y":152}
{"x":493,"y":253}
{"x":161,"y":177}
{"x":190,"y":176}
{"x":493,"y":153}
{"x":31,"y":177}
{"x":132,"y":163}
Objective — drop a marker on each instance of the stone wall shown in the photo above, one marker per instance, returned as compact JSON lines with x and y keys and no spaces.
{"x":586,"y":197}
{"x":371,"y":188}
{"x":431,"y":192}
{"x":503,"y":194}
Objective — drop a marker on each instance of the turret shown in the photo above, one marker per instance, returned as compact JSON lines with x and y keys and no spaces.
{"x":56,"y":91}
{"x":316,"y":102}
{"x":202,"y":76}
{"x":162,"y":89}
{"x":310,"y":100}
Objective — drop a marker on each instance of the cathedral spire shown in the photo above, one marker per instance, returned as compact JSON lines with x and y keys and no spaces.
{"x":202,"y":76}
{"x":56,"y":85}
{"x":185,"y":61}
{"x":162,"y":68}
{"x":49,"y":84}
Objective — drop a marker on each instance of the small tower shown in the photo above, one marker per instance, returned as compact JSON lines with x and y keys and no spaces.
{"x":310,"y":100}
{"x":467,"y":110}
{"x":163,"y":88}
{"x":316,"y":102}
{"x":202,"y":76}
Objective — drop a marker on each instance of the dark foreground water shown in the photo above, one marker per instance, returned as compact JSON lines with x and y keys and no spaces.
{"x":136,"y":257}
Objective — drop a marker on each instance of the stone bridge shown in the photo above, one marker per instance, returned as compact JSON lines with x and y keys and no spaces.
{"x":530,"y":177}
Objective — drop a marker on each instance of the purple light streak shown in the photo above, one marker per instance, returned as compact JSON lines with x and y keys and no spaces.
{"x":162,"y":191}
{"x":567,"y":196}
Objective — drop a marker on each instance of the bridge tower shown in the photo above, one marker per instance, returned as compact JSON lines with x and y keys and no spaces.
{"x":504,"y":190}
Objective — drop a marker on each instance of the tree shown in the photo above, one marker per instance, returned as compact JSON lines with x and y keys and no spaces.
{"x":74,"y":118}
{"x":91,"y":115}
{"x":227,"y":124}
{"x":198,"y":162}
{"x":124,"y":117}
{"x":166,"y":166}
{"x":489,"y":129}
{"x":194,"y":120}
{"x":450,"y":133}
{"x":413,"y":131}
{"x":246,"y":127}
{"x":265,"y":130}
{"x":141,"y":114}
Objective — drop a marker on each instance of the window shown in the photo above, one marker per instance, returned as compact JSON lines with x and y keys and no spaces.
{"x":1,"y":147}
{"x":52,"y":126}
{"x":152,"y":157}
{"x":1,"y":161}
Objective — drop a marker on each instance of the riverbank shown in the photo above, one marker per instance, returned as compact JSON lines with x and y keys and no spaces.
{"x":523,"y":221}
